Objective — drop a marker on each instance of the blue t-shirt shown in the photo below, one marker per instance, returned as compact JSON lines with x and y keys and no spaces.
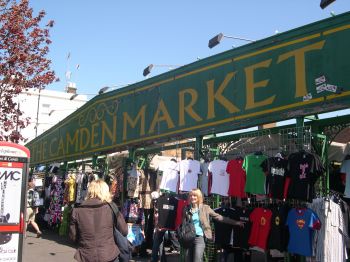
{"x":301,"y":223}
{"x":197,"y":224}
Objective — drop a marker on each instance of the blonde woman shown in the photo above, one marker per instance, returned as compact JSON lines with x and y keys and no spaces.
{"x":200,"y":218}
{"x":91,"y":226}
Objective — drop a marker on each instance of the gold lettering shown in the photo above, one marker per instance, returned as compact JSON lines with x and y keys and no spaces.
{"x":187,"y":108}
{"x":94,"y":135}
{"x":112,"y":134}
{"x":61,"y":146}
{"x":299,"y":57}
{"x":72,"y":141}
{"x":251,"y":85}
{"x":84,"y":136}
{"x":212,"y":96}
{"x":54,"y":140}
{"x":127,"y":120}
{"x":44,"y":148}
{"x":164,"y":117}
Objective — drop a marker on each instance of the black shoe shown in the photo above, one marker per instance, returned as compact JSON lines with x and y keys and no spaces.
{"x":38,"y":235}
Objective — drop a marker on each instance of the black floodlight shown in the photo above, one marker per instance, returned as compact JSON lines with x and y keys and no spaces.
{"x":103,"y":89}
{"x":325,"y":3}
{"x":215,"y":40}
{"x":147,"y":70}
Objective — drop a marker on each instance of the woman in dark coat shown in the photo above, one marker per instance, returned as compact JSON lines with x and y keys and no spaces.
{"x":91,"y":226}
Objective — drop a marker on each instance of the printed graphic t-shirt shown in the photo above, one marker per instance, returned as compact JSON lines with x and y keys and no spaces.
{"x":220,"y":179}
{"x":301,"y":223}
{"x":276,"y":169}
{"x":189,"y":170}
{"x":261,"y":224}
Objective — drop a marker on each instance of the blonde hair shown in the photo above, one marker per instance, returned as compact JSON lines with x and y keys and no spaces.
{"x":99,"y":189}
{"x":197,"y":192}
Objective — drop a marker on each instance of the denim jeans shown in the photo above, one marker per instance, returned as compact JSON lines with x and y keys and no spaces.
{"x":195,"y":253}
{"x":158,"y":246}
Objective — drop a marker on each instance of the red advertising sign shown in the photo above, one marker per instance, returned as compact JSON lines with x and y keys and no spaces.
{"x":14,"y":164}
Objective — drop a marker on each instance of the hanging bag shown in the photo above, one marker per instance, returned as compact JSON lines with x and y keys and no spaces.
{"x":121,"y":241}
{"x":186,"y":232}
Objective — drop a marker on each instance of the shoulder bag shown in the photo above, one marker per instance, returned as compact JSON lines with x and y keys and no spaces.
{"x":186,"y":232}
{"x":121,"y":241}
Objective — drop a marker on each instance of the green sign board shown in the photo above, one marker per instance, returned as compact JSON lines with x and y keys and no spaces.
{"x":300,"y":72}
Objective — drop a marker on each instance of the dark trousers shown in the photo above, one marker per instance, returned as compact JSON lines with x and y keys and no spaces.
{"x":158,"y":246}
{"x":196,"y":252}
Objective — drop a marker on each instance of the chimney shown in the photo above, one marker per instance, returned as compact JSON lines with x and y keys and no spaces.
{"x":71,"y":88}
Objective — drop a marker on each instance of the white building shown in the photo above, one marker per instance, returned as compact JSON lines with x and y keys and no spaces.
{"x":46,"y":108}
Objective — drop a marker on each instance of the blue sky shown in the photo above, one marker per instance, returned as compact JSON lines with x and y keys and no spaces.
{"x":113,"y":41}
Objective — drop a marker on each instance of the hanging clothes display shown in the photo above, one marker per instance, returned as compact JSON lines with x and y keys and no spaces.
{"x":261,"y":224}
{"x":303,"y":170}
{"x":255,"y":181}
{"x":301,"y":223}
{"x":55,"y":208}
{"x":275,"y":169}
{"x":330,"y":241}
{"x":170,"y":176}
{"x":345,"y":169}
{"x":220,"y":178}
{"x":189,"y":170}
{"x":204,"y":182}
{"x":237,"y":178}
{"x":279,"y":235}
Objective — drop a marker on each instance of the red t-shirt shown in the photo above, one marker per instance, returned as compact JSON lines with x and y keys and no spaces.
{"x":237,"y":178}
{"x":261,"y":224}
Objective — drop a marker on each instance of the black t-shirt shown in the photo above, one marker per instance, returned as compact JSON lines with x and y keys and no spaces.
{"x":223,"y":231}
{"x":241,"y":234}
{"x":276,"y":169}
{"x":279,"y":234}
{"x":303,"y":169}
{"x":167,"y":207}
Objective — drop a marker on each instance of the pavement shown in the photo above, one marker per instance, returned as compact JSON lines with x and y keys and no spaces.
{"x":54,"y":248}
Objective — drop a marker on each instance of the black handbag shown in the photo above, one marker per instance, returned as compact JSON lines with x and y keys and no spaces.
{"x":122,"y":242}
{"x":186,"y":232}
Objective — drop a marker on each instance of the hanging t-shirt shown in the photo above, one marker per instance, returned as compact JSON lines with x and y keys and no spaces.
{"x":345,"y":168}
{"x":189,"y":170}
{"x":204,"y":178}
{"x":303,"y":170}
{"x":223,"y":231}
{"x":167,"y":209}
{"x":261,"y":224}
{"x":275,"y":168}
{"x":181,"y":203}
{"x":170,"y":177}
{"x":301,"y":223}
{"x":279,"y":235}
{"x":237,"y":178}
{"x":220,"y":179}
{"x":255,"y":181}
{"x":241,"y":234}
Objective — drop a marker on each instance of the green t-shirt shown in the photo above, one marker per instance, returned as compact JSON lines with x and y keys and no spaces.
{"x":255,"y":180}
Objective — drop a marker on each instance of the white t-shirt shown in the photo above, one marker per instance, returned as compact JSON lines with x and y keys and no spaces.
{"x":345,"y":168}
{"x":170,"y":177}
{"x":220,"y":179}
{"x":189,"y":170}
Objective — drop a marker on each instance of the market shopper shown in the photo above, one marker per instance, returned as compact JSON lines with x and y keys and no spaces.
{"x":32,"y":207}
{"x":200,"y":214}
{"x":91,"y":226}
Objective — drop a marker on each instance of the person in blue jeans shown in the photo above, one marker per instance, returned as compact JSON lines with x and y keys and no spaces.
{"x":200,"y":218}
